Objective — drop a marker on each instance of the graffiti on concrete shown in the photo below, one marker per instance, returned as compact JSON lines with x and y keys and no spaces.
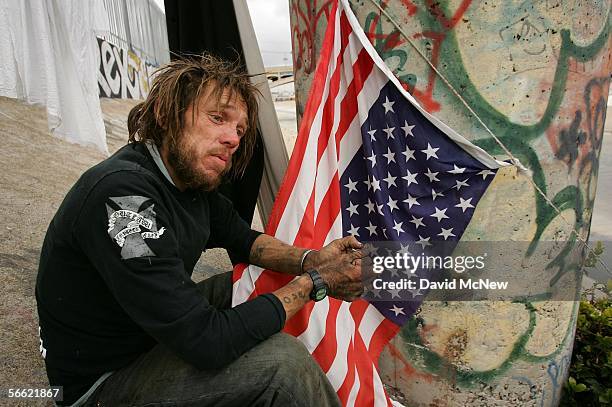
{"x":538,"y":74}
{"x":122,"y":73}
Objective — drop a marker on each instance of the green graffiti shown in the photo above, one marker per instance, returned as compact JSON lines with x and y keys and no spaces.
{"x":517,"y":138}
{"x":433,"y":363}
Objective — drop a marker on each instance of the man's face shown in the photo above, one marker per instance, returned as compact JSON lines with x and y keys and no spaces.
{"x":212,"y":133}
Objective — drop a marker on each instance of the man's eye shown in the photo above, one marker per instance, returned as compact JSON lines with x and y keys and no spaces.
{"x":216,"y":118}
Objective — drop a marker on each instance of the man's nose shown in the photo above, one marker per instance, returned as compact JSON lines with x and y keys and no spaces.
{"x":230,"y":138}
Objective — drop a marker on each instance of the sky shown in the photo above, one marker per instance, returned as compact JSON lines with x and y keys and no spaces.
{"x":272,"y":29}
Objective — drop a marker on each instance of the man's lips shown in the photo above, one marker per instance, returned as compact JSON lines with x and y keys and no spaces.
{"x":222,"y":157}
{"x":221,"y":161}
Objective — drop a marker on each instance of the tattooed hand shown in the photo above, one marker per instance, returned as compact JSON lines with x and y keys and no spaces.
{"x":339,"y":264}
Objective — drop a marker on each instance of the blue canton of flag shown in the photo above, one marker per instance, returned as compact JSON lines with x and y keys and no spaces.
{"x":409,"y":182}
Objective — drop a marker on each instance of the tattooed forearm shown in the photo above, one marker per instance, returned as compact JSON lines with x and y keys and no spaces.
{"x":295,"y":294}
{"x":299,"y":296}
{"x":271,"y":253}
{"x":257,"y":252}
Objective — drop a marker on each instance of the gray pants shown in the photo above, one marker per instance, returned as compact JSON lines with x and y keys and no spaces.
{"x":277,"y":372}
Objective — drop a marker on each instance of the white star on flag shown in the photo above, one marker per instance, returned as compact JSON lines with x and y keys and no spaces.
{"x":372,"y":229}
{"x":464,"y":204}
{"x":409,"y":154}
{"x":398,"y":227}
{"x":375,"y":184}
{"x":431,"y":175}
{"x":370,"y":206}
{"x":430,"y":151}
{"x":417,"y":222}
{"x":371,"y":133}
{"x":440,"y":214}
{"x":460,"y":184}
{"x":456,"y":170}
{"x":351,"y":185}
{"x":394,"y":293}
{"x":390,"y":180}
{"x":410,"y":178}
{"x":407,"y":129}
{"x":389,"y":131}
{"x":390,"y":156}
{"x":423,"y":241}
{"x":354,"y":231}
{"x":485,"y":173}
{"x":392,"y":204}
{"x":411,"y":201}
{"x":397,"y":310}
{"x":415,"y":292}
{"x":446,"y":233}
{"x":435,"y":194}
{"x":372,"y":158}
{"x":388,"y":105}
{"x":352,"y":208}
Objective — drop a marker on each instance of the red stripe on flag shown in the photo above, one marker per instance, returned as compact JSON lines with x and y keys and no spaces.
{"x":296,"y":325}
{"x":358,"y":309}
{"x":381,"y":336}
{"x":365,"y":395}
{"x":238,"y":270}
{"x":345,"y":389}
{"x":361,"y":70}
{"x":328,"y":212}
{"x":328,"y":111}
{"x":325,"y":352}
{"x":314,"y":98}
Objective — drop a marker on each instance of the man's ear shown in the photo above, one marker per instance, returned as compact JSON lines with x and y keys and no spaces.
{"x":161,"y":120}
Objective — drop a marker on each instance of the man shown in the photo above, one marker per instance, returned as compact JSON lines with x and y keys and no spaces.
{"x":121,"y":321}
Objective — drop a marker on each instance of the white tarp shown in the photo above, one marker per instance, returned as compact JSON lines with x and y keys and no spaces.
{"x":48,"y":56}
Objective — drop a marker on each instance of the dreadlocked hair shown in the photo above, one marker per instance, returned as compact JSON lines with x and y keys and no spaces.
{"x":180,"y":84}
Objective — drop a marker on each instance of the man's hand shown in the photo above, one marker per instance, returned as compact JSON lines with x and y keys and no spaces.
{"x":339,"y":264}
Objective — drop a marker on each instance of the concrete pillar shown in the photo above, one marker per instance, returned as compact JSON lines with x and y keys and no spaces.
{"x":538,"y":74}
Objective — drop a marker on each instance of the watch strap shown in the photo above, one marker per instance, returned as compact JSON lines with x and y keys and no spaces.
{"x":319,"y":287}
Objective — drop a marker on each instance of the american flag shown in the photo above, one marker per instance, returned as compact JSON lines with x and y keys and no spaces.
{"x":368,"y":162}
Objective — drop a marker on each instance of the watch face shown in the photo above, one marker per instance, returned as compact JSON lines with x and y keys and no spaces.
{"x":320,"y":294}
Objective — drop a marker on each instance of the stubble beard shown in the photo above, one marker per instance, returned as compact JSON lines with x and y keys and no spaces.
{"x":183,"y":163}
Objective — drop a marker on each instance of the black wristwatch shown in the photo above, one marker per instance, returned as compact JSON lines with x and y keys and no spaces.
{"x":319,"y":288}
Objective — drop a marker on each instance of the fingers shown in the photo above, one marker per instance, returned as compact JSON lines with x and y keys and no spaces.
{"x":349,"y":242}
{"x":350,"y":292}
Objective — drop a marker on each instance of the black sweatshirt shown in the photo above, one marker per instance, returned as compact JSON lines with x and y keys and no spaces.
{"x":115,"y":275}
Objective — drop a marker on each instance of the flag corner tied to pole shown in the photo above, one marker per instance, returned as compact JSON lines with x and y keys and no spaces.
{"x":370,"y":162}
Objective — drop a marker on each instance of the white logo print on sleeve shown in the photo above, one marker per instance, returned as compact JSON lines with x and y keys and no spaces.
{"x":128,"y":226}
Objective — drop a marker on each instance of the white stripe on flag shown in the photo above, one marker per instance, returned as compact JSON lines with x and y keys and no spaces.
{"x":370,"y":321}
{"x":316,"y":326}
{"x":244,"y":286}
{"x":335,"y":232}
{"x":345,"y":326}
{"x":354,"y":390}
{"x":380,"y":399}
